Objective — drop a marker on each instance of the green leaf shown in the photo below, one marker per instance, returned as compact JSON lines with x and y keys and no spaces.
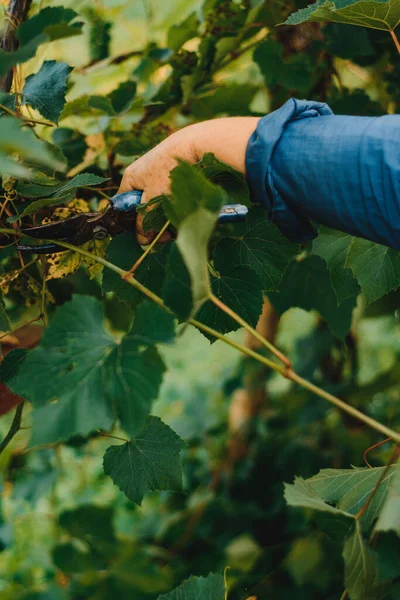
{"x":294,"y":72}
{"x":90,"y":523}
{"x":45,"y":19}
{"x":190,"y":190}
{"x":71,"y":558}
{"x":72,"y":144}
{"x":17,"y":141}
{"x":86,"y":106}
{"x":11,"y":364}
{"x":122,"y":97}
{"x":349,"y":489}
{"x":307,"y":284}
{"x":37,"y":205}
{"x":51,"y":23}
{"x":361,"y":572}
{"x":257,"y":243}
{"x":180,"y":33}
{"x":73,"y":396}
{"x":45,"y":91}
{"x":302,"y":493}
{"x":333,"y":247}
{"x":376,"y":267}
{"x":231,"y":180}
{"x":375,"y":14}
{"x":124,"y":251}
{"x":240,"y":289}
{"x":193,"y":208}
{"x":389,"y":517}
{"x":234,"y":99}
{"x":147,"y":463}
{"x":198,"y":588}
{"x":176,"y":291}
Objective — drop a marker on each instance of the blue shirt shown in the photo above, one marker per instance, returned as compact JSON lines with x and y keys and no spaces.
{"x":304,"y":164}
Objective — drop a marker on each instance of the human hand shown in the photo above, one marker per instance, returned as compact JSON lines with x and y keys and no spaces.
{"x":226,"y":138}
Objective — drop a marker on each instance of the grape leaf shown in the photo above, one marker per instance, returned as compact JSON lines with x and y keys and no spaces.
{"x":307,"y":284}
{"x":149,"y":462}
{"x":88,"y":522}
{"x":375,"y":14}
{"x":45,"y":90}
{"x":181,"y":32}
{"x":257,"y":243}
{"x":376,"y":267}
{"x":193,"y":208}
{"x":88,"y":105}
{"x":47,"y":17}
{"x":122,"y":97}
{"x":240,"y":289}
{"x":22,"y":142}
{"x":294,"y":72}
{"x":176,"y":291}
{"x":361,"y":571}
{"x":333,"y":247}
{"x":124,"y":251}
{"x":348,"y":489}
{"x":51,"y":23}
{"x":74,"y":396}
{"x":302,"y":493}
{"x":72,"y":144}
{"x":198,"y":588}
{"x":389,"y":517}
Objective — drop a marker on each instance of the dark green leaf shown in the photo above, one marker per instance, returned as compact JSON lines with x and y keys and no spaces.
{"x":123,"y":96}
{"x":307,"y":284}
{"x":33,"y":207}
{"x":183,"y":31}
{"x":198,"y":588}
{"x":240,"y":289}
{"x":71,"y":558}
{"x":89,"y":522}
{"x":72,"y":396}
{"x":258,"y":244}
{"x":11,"y":364}
{"x":149,"y":462}
{"x":124,"y":251}
{"x":376,"y":267}
{"x":51,"y":15}
{"x":45,"y":91}
{"x":302,"y":493}
{"x":333,"y":246}
{"x":72,"y":143}
{"x":176,"y":291}
{"x":234,"y":99}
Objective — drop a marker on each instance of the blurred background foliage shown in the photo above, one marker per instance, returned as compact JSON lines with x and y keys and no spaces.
{"x":66,"y":532}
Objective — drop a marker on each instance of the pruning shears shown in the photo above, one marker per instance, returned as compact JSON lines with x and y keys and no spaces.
{"x":119,"y":216}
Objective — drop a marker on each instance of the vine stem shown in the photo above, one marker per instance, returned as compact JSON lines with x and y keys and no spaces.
{"x":344,"y":595}
{"x":147,"y":251}
{"x":286,"y":372}
{"x":221,"y":305}
{"x":396,"y":41}
{"x":15,"y":427}
{"x":26,"y":119}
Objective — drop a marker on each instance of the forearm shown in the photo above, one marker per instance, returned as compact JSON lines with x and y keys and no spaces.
{"x":226,"y":138}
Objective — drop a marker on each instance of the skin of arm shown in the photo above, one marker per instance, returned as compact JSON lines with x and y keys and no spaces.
{"x":226,"y":138}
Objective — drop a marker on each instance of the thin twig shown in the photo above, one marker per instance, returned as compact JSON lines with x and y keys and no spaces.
{"x":15,"y":427}
{"x":284,"y":359}
{"x":147,"y":251}
{"x":373,"y":448}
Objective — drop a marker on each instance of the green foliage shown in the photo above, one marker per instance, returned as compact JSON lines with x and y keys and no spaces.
{"x":148,"y":462}
{"x":46,"y":90}
{"x":115,"y":367}
{"x":377,"y":14}
{"x":198,"y":587}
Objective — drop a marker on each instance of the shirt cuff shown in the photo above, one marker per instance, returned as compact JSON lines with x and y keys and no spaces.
{"x":259,"y":171}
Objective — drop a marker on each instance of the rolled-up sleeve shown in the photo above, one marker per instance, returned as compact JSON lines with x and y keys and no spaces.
{"x":305,"y":164}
